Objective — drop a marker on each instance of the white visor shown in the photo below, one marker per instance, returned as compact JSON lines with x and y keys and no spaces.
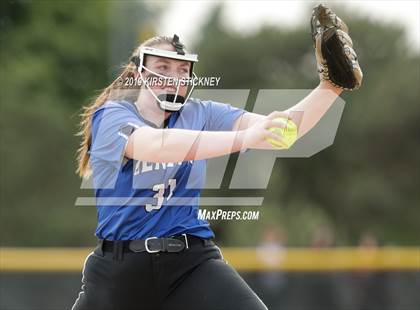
{"x":146,"y":50}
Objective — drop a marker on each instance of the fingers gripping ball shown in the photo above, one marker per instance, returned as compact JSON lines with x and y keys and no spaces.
{"x":288,"y":134}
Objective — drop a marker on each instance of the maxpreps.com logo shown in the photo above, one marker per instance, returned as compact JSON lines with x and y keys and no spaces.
{"x":227,"y":215}
{"x":253,"y":168}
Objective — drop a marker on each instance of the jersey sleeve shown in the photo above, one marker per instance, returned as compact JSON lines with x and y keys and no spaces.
{"x":221,"y":116}
{"x":112,"y":126}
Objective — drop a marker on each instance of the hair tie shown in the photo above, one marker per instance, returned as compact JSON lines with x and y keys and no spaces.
{"x":179,"y":47}
{"x":135,"y":60}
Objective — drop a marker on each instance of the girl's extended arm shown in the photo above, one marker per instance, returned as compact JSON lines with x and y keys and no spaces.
{"x":175,"y":145}
{"x":306,"y":113}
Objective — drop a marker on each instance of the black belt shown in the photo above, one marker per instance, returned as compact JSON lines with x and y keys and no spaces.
{"x":153,"y":244}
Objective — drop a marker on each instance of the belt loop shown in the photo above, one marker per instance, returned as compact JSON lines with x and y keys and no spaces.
{"x":164,"y":244}
{"x":118,"y":250}
{"x":207,"y":242}
{"x":99,"y":248}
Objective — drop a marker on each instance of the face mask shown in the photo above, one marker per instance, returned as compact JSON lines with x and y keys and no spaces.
{"x":167,"y":102}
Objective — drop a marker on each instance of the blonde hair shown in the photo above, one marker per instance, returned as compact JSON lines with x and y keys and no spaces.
{"x":113,"y":91}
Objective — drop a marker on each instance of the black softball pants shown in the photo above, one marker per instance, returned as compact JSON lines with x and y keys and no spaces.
{"x":196,"y":278}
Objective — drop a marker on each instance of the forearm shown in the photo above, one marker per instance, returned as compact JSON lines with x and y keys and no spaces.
{"x":175,"y":145}
{"x":307,"y":113}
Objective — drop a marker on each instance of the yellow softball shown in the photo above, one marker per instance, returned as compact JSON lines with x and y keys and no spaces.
{"x":288,"y":134}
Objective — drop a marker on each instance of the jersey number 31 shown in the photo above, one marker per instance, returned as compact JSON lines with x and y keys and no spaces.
{"x":160,"y":189}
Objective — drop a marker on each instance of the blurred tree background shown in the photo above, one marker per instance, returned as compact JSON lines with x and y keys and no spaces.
{"x":55,"y":56}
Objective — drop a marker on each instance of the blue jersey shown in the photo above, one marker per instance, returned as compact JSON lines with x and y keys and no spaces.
{"x":137,"y":199}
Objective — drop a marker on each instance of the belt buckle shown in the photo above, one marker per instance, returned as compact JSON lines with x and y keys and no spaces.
{"x":186,"y":241}
{"x":147,"y":247}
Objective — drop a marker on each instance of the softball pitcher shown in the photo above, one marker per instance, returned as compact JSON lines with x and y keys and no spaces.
{"x":146,"y":149}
